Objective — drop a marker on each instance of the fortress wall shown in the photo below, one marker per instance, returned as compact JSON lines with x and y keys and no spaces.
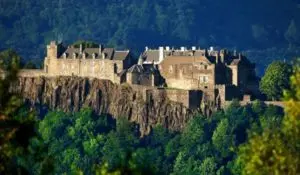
{"x":31,"y":73}
{"x":246,"y":102}
{"x":102,"y":69}
{"x":178,"y":96}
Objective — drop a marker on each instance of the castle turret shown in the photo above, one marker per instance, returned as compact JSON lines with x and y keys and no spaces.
{"x":52,"y":50}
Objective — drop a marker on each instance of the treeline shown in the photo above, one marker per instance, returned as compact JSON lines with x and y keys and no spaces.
{"x":88,"y":143}
{"x":29,"y":25}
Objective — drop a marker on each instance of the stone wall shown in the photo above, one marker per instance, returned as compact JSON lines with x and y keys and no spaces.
{"x":188,"y":75}
{"x":275,"y":103}
{"x":31,"y":73}
{"x":93,"y":68}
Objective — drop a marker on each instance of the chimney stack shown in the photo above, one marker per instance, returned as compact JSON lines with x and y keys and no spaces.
{"x":240,"y":56}
{"x":161,"y":54}
{"x":100,"y":49}
{"x":80,"y":49}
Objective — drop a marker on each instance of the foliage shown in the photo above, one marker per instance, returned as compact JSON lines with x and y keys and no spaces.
{"x":275,"y":80}
{"x":276,"y":151}
{"x":16,"y":119}
{"x":29,"y":25}
{"x":85,"y":44}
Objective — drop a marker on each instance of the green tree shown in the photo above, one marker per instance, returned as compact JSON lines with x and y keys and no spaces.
{"x":275,"y":80}
{"x":223,"y":139}
{"x":276,"y":151}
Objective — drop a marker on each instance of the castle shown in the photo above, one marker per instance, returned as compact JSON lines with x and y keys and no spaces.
{"x":183,"y":73}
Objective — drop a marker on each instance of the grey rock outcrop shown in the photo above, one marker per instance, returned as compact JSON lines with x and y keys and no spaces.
{"x":72,"y":93}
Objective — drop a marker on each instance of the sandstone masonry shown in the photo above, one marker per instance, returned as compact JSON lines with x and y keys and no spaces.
{"x":188,"y":76}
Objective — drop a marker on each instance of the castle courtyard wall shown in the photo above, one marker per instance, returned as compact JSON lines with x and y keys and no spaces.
{"x":94,"y":68}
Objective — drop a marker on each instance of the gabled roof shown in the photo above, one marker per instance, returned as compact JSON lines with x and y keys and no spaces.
{"x":142,"y":69}
{"x":121,"y":55}
{"x":153,"y":55}
{"x":235,"y":62}
{"x":110,"y":53}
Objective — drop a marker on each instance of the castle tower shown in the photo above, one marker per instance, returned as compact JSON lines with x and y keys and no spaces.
{"x":51,"y":58}
{"x":52,"y":50}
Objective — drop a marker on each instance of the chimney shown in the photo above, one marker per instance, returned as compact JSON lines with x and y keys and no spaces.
{"x":194,"y":48}
{"x":182,"y":49}
{"x":161,"y":54}
{"x":222,"y":55}
{"x":100,"y":49}
{"x":140,"y":61}
{"x":80,"y":49}
{"x":240,"y":56}
{"x":146,"y":48}
{"x":167,"y":48}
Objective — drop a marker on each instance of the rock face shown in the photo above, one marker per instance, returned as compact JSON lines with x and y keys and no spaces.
{"x":73,"y":93}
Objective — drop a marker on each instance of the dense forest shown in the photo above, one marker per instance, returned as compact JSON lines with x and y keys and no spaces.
{"x":251,"y":26}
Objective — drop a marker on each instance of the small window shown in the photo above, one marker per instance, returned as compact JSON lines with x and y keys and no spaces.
{"x":205,"y":87}
{"x":205,"y":66}
{"x":171,"y":69}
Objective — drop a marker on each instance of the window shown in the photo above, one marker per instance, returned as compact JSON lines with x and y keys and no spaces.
{"x":205,"y":66}
{"x":203,"y":79}
{"x":171,"y":69}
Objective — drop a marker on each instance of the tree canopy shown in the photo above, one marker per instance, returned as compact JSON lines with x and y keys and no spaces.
{"x":28,"y":26}
{"x":276,"y":151}
{"x":275,"y":80}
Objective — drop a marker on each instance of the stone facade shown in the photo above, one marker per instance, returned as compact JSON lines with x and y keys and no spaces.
{"x":196,"y":69}
{"x":188,"y":76}
{"x":102,"y":63}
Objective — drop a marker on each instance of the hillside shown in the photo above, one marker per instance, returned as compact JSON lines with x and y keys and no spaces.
{"x":245,"y":25}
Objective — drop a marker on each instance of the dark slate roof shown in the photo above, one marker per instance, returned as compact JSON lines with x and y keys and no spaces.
{"x":151,"y":55}
{"x":110,"y":53}
{"x":235,"y":62}
{"x":142,"y":69}
{"x":121,"y":55}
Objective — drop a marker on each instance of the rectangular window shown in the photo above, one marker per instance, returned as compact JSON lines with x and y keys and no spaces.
{"x":203,"y":79}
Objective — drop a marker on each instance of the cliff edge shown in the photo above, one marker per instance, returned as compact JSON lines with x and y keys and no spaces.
{"x":72,"y":93}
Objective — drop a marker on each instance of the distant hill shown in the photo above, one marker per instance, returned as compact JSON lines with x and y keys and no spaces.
{"x":244,"y":25}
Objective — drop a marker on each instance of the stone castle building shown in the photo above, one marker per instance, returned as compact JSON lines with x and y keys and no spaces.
{"x":102,"y":63}
{"x":213,"y":72}
{"x":185,"y":75}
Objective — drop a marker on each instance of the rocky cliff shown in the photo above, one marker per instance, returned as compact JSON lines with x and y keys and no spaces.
{"x":72,"y":93}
